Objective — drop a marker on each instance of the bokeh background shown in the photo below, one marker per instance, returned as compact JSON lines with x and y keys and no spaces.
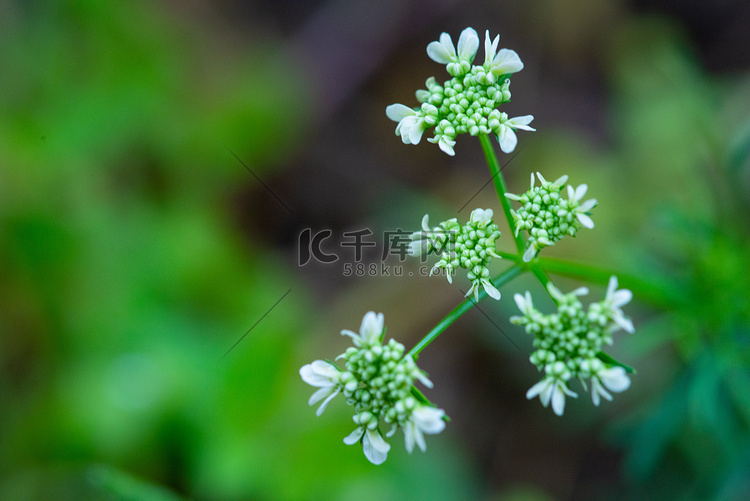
{"x":158,"y":161}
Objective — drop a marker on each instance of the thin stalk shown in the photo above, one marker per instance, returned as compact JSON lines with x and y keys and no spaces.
{"x":656,"y":291}
{"x":499,"y":182}
{"x":462,"y":308}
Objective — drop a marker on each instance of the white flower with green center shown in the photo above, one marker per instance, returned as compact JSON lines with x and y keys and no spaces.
{"x":325,"y":376}
{"x":470,"y":246}
{"x":500,"y":63}
{"x":568,"y":343}
{"x":443,"y":51}
{"x":613,"y":379}
{"x":507,"y":135}
{"x":374,"y":446}
{"x":547,"y":217}
{"x":411,"y":123}
{"x":467,"y":103}
{"x":614,"y":301}
{"x":553,"y":388}
{"x":370,"y":332}
{"x":581,"y":210}
{"x":423,"y":419}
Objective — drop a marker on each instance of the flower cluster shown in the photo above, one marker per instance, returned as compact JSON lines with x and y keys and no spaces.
{"x":378,"y":381}
{"x":568,"y":343}
{"x":467,"y":102}
{"x":547,"y":217}
{"x":470,"y":246}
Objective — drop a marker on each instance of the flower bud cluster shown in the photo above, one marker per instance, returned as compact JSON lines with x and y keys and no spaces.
{"x":470,"y":246}
{"x":548,"y":217}
{"x":569,"y":343}
{"x":378,"y":381}
{"x":465,"y":104}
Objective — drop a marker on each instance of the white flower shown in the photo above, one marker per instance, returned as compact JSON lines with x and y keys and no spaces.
{"x":423,"y":420}
{"x":374,"y":446}
{"x":559,"y":297}
{"x":614,"y":300}
{"x":369,"y":332}
{"x":446,"y":144}
{"x":614,"y":379}
{"x":443,"y":51}
{"x":554,"y":389}
{"x":481,"y":217}
{"x":325,"y":376}
{"x":525,"y":304}
{"x":490,"y":289}
{"x":504,"y":62}
{"x":411,"y":125}
{"x":507,"y":136}
{"x":574,"y":197}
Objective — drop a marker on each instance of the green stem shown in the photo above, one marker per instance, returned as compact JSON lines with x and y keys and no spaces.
{"x":497,"y":179}
{"x":655,"y":291}
{"x":462,"y":308}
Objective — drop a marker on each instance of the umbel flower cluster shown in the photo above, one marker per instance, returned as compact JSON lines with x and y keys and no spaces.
{"x":470,"y":246}
{"x":378,"y":381}
{"x":568,"y":343}
{"x":548,"y":217}
{"x":467,"y":103}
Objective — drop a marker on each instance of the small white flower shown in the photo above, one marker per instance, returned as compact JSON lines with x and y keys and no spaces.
{"x":575,"y":196}
{"x":481,"y":217}
{"x":423,"y":420}
{"x":614,"y":379}
{"x":613,"y":302}
{"x":524,"y":303}
{"x":325,"y":376}
{"x":374,"y":446}
{"x":554,"y":389}
{"x":443,"y":51}
{"x":410,"y":126}
{"x":369,"y":332}
{"x":490,"y":289}
{"x":507,"y":136}
{"x":500,"y":63}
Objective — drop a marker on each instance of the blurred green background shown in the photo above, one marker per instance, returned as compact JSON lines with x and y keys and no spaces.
{"x":136,"y":250}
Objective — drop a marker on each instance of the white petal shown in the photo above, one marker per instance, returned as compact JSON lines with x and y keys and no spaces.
{"x":416,"y":131}
{"x":429,"y":419}
{"x":537,"y":388}
{"x":507,"y":139}
{"x":446,"y":146}
{"x":321,"y":394}
{"x":441,"y":53}
{"x":372,"y":327}
{"x":354,"y":436}
{"x":426,"y":223}
{"x":326,"y":401}
{"x":580,"y":192}
{"x":587,"y":205}
{"x":354,"y":336}
{"x":586,"y":221}
{"x":410,"y":429}
{"x":621,"y":297}
{"x":506,"y":61}
{"x":529,"y":254}
{"x":398,"y":112}
{"x":558,"y":401}
{"x":615,"y":379}
{"x":491,"y":290}
{"x":468,"y":43}
{"x":521,"y":122}
{"x":375,"y":447}
{"x":319,"y":373}
{"x":625,"y":323}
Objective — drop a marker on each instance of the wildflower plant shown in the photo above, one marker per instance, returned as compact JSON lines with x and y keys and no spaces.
{"x":377,"y":378}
